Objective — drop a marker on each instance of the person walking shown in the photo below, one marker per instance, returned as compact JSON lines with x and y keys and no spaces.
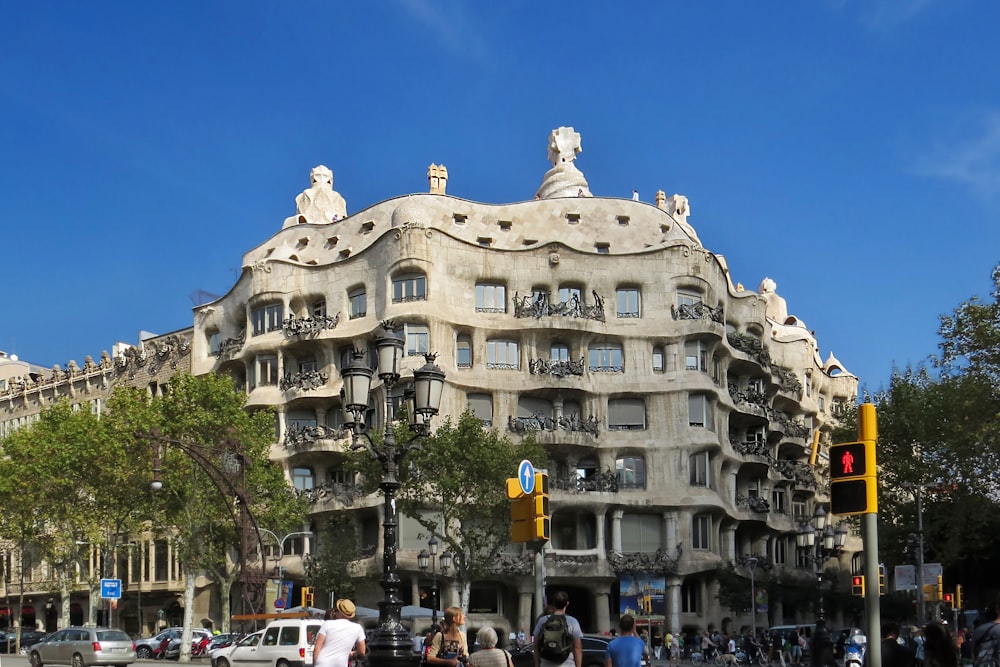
{"x":938,"y":648}
{"x":627,"y":649}
{"x":339,"y":639}
{"x":558,"y":642}
{"x":894,"y":654}
{"x":449,"y":645}
{"x":488,"y":654}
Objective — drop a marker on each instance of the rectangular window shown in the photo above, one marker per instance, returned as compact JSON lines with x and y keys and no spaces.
{"x":700,"y":536}
{"x":778,"y":499}
{"x":319,"y":308}
{"x":359,"y":303}
{"x":701,"y":469}
{"x":628,"y":302}
{"x":780,"y":556}
{"x":491,"y":298}
{"x":417,"y":339}
{"x":700,"y":412}
{"x":626,"y":414}
{"x":641,"y":533}
{"x":502,"y":354}
{"x":691,"y":597}
{"x":717,"y":371}
{"x":267,"y":370}
{"x":481,"y":405}
{"x":307,"y":365}
{"x":214,"y":343}
{"x":302,"y":478}
{"x":267,"y":318}
{"x":559,"y":353}
{"x":695,"y":356}
{"x":568,"y":294}
{"x":799,"y":510}
{"x":687,"y":299}
{"x":659,"y":363}
{"x":822,"y":403}
{"x":464,"y":354}
{"x":409,"y":288}
{"x":606,"y":358}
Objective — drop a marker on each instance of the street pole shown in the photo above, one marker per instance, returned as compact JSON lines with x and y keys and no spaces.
{"x":921,"y":603}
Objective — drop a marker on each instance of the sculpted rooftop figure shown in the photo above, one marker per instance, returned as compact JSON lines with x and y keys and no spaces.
{"x":563,"y":179}
{"x":320,"y":203}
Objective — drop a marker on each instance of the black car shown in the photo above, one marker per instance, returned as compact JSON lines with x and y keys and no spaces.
{"x":8,"y":639}
{"x":595,"y":648}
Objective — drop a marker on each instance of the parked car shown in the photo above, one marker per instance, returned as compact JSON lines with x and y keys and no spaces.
{"x":222,"y":652}
{"x":199,"y":640}
{"x":149,"y":647}
{"x":285,"y":642}
{"x":81,"y":647}
{"x":8,"y":639}
{"x":221,"y":640}
{"x":594,"y":648}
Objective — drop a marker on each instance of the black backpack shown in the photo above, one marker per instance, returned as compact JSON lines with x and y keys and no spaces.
{"x":986,"y":652}
{"x":556,"y":642}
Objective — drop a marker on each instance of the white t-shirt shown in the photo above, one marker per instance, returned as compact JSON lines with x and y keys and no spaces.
{"x":340,"y":636}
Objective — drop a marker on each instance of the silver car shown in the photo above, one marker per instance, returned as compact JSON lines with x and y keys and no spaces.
{"x":81,"y":647}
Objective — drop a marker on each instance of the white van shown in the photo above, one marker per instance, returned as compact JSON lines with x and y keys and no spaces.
{"x":286,"y":642}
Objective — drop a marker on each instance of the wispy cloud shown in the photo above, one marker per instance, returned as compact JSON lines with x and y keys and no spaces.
{"x":879,"y":15}
{"x":973,"y":161}
{"x":449,"y":23}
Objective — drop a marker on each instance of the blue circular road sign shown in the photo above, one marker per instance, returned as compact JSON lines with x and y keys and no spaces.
{"x":526,"y":477}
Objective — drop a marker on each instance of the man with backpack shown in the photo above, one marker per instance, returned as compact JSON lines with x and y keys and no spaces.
{"x":557,"y":636}
{"x":986,"y":638}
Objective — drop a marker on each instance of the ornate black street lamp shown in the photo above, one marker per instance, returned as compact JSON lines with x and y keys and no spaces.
{"x":392,"y":644}
{"x":226,"y":467}
{"x":817,"y":551}
{"x":427,"y":557}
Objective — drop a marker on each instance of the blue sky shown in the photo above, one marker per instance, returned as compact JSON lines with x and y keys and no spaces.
{"x":848,"y":149}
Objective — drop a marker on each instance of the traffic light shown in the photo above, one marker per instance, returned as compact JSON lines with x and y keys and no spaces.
{"x":307,"y":596}
{"x":529,"y":512}
{"x":958,"y":596}
{"x":853,"y":469}
{"x":940,"y":587}
{"x":858,"y":585}
{"x":881,"y":579}
{"x":930,"y":593}
{"x":948,"y":600}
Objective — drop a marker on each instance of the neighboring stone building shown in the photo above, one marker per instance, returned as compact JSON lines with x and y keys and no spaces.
{"x":679,"y":408}
{"x":151,"y":575}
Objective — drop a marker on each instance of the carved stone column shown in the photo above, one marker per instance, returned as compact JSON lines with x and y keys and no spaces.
{"x":602,"y":615}
{"x":616,"y":530}
{"x":524,"y":616}
{"x":674,"y":604}
{"x":728,"y":550}
{"x":602,"y":552}
{"x":670,"y":531}
{"x":282,"y":422}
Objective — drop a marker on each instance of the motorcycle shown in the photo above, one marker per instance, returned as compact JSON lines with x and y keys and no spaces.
{"x":854,"y":649}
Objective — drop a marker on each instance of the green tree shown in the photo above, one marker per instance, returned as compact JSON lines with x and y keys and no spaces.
{"x":218,"y":449}
{"x":334,"y":567}
{"x":455,"y":487}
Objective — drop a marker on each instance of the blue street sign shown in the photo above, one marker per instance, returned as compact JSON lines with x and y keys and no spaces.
{"x":111,"y":589}
{"x":526,"y":477}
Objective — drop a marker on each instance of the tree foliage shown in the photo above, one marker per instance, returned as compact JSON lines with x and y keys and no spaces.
{"x":939,"y":434}
{"x":454,"y":485}
{"x":331,"y":568}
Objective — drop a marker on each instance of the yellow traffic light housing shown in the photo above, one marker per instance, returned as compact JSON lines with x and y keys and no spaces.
{"x":529,"y":512}
{"x":881,"y":579}
{"x":940,"y":587}
{"x":854,"y":470}
{"x":948,"y":602}
{"x":958,"y":596}
{"x":858,"y":585}
{"x":307,"y":596}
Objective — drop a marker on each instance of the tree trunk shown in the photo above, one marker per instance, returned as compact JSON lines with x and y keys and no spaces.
{"x":189,"y":579}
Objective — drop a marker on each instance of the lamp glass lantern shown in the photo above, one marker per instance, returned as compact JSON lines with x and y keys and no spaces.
{"x":357,"y":384}
{"x":389,"y":348}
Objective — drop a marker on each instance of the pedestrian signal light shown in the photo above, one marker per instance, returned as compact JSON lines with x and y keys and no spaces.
{"x":948,"y":599}
{"x":851,"y":460}
{"x":858,"y":585}
{"x":881,"y":579}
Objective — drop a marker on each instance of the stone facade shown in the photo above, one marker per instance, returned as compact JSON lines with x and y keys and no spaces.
{"x":680,"y":409}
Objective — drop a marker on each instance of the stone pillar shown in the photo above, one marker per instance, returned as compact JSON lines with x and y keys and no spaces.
{"x":728,"y":550}
{"x":673,"y":604}
{"x":282,"y":422}
{"x":661,"y":199}
{"x":524,"y":618}
{"x":602,"y":615}
{"x":601,"y":549}
{"x":616,"y":530}
{"x":437,"y":179}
